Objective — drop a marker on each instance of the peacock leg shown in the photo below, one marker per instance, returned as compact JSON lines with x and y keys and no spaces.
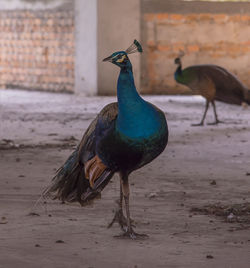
{"x":129,"y":233}
{"x":217,"y":121}
{"x":119,"y":216}
{"x":203,"y":117}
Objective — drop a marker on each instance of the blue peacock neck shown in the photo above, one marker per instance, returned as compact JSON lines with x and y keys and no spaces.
{"x":185,"y":76}
{"x":136,"y":117}
{"x":178,"y":72}
{"x":126,"y":91}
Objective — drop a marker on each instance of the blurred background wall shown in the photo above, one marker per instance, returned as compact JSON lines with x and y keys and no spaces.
{"x":58,"y":45}
{"x":118,"y":26}
{"x":208,"y":33}
{"x":37,"y":45}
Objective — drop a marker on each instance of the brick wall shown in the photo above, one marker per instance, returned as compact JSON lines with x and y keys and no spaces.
{"x":37,"y":49}
{"x":206,"y":38}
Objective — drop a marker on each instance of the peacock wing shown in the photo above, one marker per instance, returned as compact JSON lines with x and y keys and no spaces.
{"x":215,"y":82}
{"x":98,"y":127}
{"x":229,"y":88}
{"x":83,"y":176}
{"x":95,"y":170}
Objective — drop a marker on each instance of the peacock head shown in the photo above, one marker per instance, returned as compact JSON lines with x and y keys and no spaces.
{"x":121,"y":58}
{"x":178,"y":59}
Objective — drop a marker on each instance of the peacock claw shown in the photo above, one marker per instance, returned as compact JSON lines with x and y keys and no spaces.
{"x":131,"y":235}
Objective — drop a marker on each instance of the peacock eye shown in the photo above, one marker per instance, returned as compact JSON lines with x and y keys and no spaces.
{"x":120,"y":58}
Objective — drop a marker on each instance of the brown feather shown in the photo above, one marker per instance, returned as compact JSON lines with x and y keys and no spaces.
{"x":93,"y":169}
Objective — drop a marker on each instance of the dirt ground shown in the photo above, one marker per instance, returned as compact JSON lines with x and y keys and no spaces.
{"x":193,"y":201}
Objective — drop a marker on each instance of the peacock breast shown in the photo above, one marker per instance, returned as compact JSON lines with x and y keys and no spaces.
{"x":140,"y":121}
{"x":133,"y":149}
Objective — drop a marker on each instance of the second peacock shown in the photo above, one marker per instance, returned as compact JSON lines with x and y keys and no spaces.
{"x":213,"y":83}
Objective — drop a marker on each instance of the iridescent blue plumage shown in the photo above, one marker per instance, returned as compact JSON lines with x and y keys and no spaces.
{"x":140,"y":130}
{"x":136,"y":117}
{"x":125,"y":136}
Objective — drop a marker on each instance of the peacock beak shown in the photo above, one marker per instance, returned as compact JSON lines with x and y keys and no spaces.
{"x":108,"y":59}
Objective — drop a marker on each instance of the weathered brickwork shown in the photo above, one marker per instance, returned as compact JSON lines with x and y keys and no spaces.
{"x":205,"y":38}
{"x":37,"y":49}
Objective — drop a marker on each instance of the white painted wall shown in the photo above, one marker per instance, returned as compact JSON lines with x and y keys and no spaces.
{"x":86,"y":47}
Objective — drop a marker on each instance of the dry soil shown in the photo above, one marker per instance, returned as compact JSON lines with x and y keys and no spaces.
{"x":192,"y":201}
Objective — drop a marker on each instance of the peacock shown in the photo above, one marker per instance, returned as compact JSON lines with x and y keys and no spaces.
{"x":123,"y":137}
{"x":213,"y":83}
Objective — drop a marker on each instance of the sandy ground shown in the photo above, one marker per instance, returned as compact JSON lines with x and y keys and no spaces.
{"x":203,"y":171}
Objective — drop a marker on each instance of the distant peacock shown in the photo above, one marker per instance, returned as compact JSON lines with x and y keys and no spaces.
{"x":213,"y":83}
{"x":122,"y":138}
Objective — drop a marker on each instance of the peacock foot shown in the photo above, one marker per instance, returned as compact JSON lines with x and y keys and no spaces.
{"x":197,"y":125}
{"x":120,"y":219}
{"x":215,"y":123}
{"x":131,"y":234}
